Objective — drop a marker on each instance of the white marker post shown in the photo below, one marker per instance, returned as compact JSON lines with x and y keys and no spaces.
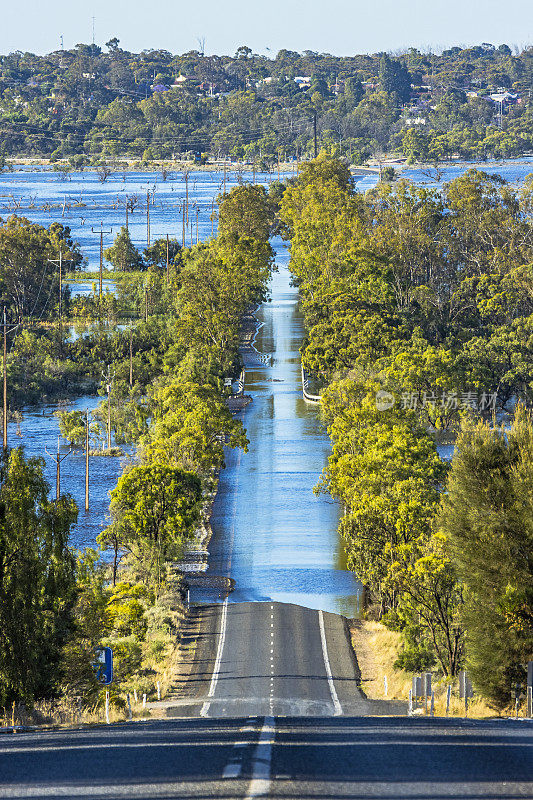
{"x":107,"y":707}
{"x":158,"y":690}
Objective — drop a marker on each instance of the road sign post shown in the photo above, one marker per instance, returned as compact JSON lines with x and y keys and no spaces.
{"x":530,"y":689}
{"x":103,"y":666}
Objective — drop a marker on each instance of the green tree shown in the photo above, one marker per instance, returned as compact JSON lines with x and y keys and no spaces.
{"x":156,"y":508}
{"x":191,"y":426}
{"x":395,"y":78}
{"x":123,"y":255}
{"x":156,"y":254}
{"x":487,"y":515}
{"x":27,"y":278}
{"x":72,"y":426}
{"x":246,"y":211}
{"x":37,"y":581}
{"x":415,"y":145}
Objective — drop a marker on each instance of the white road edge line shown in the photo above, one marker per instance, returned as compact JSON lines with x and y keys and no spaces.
{"x":333,"y":691}
{"x":216,"y":668}
{"x":262,"y":761}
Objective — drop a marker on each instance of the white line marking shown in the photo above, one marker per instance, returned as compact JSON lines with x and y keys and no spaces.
{"x":262,"y":760}
{"x":216,"y":668}
{"x":333,"y":691}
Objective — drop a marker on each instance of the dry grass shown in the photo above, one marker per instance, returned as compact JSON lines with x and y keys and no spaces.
{"x":377,"y":649}
{"x":161,"y":657}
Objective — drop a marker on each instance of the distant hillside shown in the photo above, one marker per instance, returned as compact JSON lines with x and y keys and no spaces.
{"x":86,"y":105}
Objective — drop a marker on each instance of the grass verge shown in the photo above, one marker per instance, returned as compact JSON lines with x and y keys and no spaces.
{"x":377,"y":649}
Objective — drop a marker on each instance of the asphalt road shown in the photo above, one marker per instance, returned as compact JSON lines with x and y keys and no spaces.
{"x":256,"y":659}
{"x":272,"y":708}
{"x":321,"y":757}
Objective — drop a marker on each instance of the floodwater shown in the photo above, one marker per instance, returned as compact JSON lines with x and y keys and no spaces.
{"x":272,"y":535}
{"x":38,"y":434}
{"x":88,"y":206}
{"x":82,"y":202}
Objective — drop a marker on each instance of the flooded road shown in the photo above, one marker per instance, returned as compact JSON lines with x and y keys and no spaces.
{"x":272,"y":535}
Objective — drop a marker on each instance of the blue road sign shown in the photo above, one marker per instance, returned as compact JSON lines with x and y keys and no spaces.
{"x":103,"y":665}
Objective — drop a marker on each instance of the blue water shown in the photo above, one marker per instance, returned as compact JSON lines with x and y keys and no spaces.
{"x":29,"y":193}
{"x":272,"y":534}
{"x":514,"y":171}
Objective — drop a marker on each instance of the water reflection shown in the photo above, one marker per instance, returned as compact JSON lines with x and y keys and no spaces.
{"x":271,"y":533}
{"x":39,"y":429}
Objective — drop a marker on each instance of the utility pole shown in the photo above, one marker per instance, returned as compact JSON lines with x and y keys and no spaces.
{"x":102,"y":231}
{"x":4,"y":416}
{"x":146,"y":303}
{"x":108,"y":388}
{"x":60,"y":299}
{"x":148,"y":218}
{"x":315,"y":135}
{"x":253,"y":179}
{"x":187,"y":195}
{"x":197,"y":215}
{"x":59,"y":263}
{"x":131,"y":356}
{"x":127,"y":225}
{"x":167,"y":261}
{"x":278,"y":166}
{"x":87,"y":460}
{"x":58,"y":460}
{"x":224,"y":175}
{"x":183,"y":222}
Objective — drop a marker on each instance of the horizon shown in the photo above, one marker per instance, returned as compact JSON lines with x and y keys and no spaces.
{"x":267,"y":30}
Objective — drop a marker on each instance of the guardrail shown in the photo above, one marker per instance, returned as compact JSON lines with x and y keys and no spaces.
{"x":310,"y":398}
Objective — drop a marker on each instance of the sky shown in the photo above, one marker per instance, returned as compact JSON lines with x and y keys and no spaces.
{"x":340,"y":27}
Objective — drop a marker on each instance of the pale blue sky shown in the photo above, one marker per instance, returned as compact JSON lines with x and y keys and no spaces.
{"x":335,"y":26}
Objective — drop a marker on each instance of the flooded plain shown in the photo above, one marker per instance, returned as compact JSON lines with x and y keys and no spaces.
{"x":272,"y":534}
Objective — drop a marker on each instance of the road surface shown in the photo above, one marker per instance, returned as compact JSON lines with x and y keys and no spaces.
{"x":256,"y":659}
{"x":320,"y":757}
{"x":272,"y":708}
